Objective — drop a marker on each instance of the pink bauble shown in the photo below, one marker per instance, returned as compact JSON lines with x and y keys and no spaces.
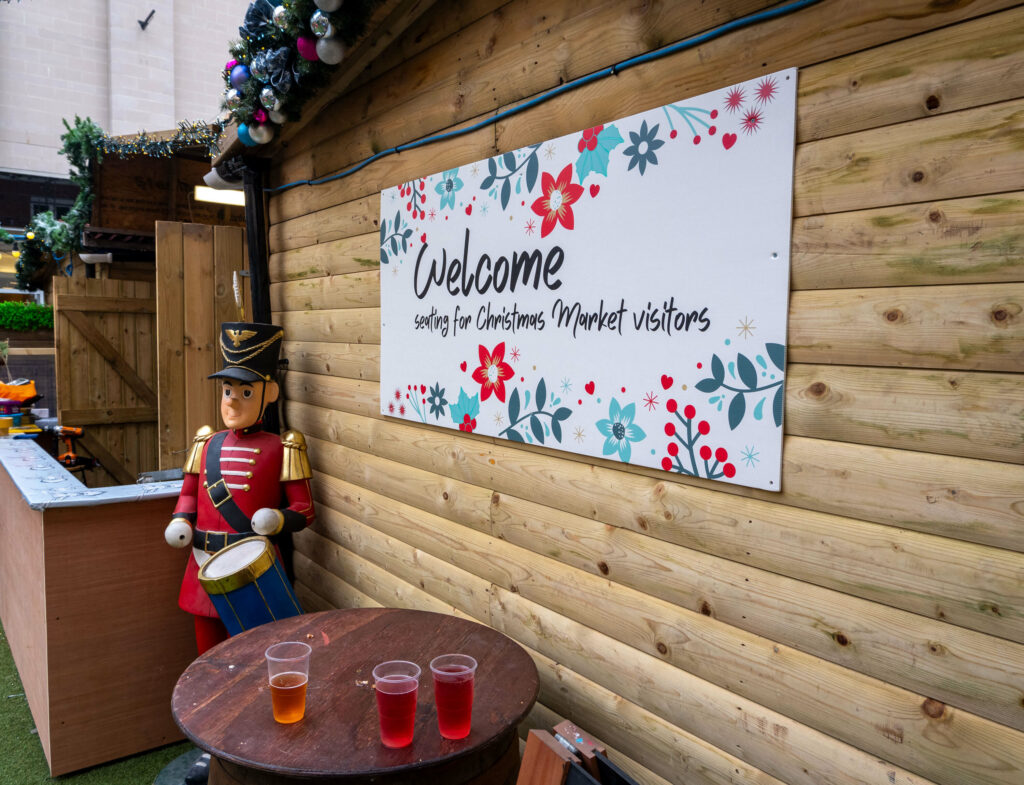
{"x":230,"y":64}
{"x":260,"y":116}
{"x":307,"y":47}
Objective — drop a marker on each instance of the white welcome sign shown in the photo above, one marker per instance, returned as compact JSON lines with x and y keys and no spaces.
{"x":620,"y":292}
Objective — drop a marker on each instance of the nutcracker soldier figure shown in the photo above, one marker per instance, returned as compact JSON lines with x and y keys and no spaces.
{"x":241,"y":481}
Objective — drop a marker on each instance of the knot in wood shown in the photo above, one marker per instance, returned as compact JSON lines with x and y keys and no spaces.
{"x":603,"y":568}
{"x":818,"y":389}
{"x":933,"y":708}
{"x":445,"y":497}
{"x":841,"y":639}
{"x":1000,"y":315}
{"x":705,"y":608}
{"x":935,"y":216}
{"x":662,"y":648}
{"x":917,"y":176}
{"x":894,"y":315}
{"x":932,"y":102}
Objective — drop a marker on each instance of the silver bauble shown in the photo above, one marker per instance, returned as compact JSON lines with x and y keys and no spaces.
{"x":330,"y":50}
{"x":321,"y":25}
{"x":256,"y":70}
{"x":328,"y":5}
{"x":276,"y":116}
{"x":282,"y":17}
{"x":232,"y":99}
{"x":261,"y":134}
{"x":269,"y":98}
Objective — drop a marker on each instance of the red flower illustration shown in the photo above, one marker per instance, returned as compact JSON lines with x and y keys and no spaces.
{"x":751,"y":121}
{"x":554,"y":206}
{"x":734,"y":100}
{"x":493,"y":371}
{"x":766,"y":90}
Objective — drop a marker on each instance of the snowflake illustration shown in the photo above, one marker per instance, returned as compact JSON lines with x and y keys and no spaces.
{"x":766,"y":90}
{"x":734,"y":99}
{"x":549,"y":152}
{"x":483,"y":209}
{"x":475,"y":170}
{"x":751,"y":121}
{"x":432,"y":214}
{"x":579,"y":434}
{"x":530,"y":227}
{"x":499,"y":419}
{"x":566,"y":385}
{"x":749,"y":456}
{"x":651,"y":401}
{"x":746,"y":327}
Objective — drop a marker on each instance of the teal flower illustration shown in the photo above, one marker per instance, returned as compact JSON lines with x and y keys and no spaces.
{"x":620,"y":431}
{"x":450,"y":185}
{"x":641,"y":152}
{"x":437,"y":401}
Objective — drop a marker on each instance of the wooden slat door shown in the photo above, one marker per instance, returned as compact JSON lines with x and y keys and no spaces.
{"x":106,"y":372}
{"x":195,"y":266}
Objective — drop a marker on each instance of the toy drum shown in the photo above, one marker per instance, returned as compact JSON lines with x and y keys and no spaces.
{"x":247,"y":585}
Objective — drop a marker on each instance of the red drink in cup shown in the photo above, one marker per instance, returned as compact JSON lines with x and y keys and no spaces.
{"x":453,"y":693}
{"x":396,"y":684}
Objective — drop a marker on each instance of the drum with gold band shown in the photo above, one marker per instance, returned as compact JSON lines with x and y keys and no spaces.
{"x":247,"y":585}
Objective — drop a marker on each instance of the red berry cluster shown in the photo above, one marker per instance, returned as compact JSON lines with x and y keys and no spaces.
{"x":409,"y":190}
{"x":468,"y":425}
{"x":589,"y":140}
{"x":672,"y":461}
{"x":414,"y":389}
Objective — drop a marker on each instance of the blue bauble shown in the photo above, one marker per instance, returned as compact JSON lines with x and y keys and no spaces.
{"x":239,"y":76}
{"x":244,"y":137}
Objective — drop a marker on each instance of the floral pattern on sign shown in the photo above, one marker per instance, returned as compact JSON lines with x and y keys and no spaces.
{"x":555,"y":206}
{"x":620,"y":431}
{"x":749,"y":377}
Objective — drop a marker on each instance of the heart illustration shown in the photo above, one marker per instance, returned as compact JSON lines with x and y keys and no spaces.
{"x":589,"y":386}
{"x":423,"y":389}
{"x":666,"y":381}
{"x":423,"y":237}
{"x":469,"y":209}
{"x":594,"y":190}
{"x":728,"y":140}
{"x":462,"y":365}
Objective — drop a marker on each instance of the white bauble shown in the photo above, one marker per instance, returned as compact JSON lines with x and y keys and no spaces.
{"x":261,"y":134}
{"x":276,"y":116}
{"x":330,"y":50}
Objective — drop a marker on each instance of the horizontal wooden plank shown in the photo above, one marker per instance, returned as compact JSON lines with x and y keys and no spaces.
{"x":31,"y":351}
{"x":90,"y":303}
{"x":978,"y":327}
{"x":334,"y":223}
{"x":108,"y":416}
{"x":347,"y":255}
{"x":351,"y":325}
{"x":693,"y":586}
{"x":977,"y":62}
{"x":974,"y":240}
{"x":643,"y":735}
{"x":975,"y":415}
{"x":960,"y":498}
{"x":329,"y":588}
{"x":967,"y":153}
{"x":351,"y":360}
{"x":351,"y":290}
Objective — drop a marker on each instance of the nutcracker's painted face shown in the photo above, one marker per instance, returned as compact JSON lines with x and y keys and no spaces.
{"x":242,"y":403}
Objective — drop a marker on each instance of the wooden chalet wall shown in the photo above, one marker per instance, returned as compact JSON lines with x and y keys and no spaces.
{"x":863,"y":626}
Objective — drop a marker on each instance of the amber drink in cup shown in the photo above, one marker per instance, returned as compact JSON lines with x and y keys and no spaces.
{"x":453,"y":693}
{"x":288,"y":669}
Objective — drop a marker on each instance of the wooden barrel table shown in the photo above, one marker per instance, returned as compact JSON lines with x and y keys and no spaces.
{"x":222,"y":703}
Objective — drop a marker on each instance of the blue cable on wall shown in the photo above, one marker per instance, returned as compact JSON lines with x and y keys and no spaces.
{"x":689,"y":43}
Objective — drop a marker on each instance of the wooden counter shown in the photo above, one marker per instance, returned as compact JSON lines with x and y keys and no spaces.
{"x":88,"y":600}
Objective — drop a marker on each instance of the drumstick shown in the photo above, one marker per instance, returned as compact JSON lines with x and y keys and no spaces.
{"x":238,"y":296}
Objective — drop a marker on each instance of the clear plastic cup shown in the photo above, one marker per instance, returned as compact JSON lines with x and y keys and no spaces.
{"x":288,"y":671}
{"x":397,"y":684}
{"x":454,"y":675}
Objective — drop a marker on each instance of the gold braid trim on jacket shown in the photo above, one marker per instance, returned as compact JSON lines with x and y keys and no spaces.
{"x":194,"y":459}
{"x":295,"y":462}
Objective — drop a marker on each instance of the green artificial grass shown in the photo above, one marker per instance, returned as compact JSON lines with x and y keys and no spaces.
{"x":22,"y":761}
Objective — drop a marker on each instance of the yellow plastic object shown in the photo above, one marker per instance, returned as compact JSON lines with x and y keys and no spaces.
{"x":26,"y":429}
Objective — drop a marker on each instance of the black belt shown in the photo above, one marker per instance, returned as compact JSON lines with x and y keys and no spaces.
{"x":211,"y":542}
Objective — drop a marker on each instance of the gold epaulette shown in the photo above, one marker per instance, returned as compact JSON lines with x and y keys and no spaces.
{"x":295,"y":462}
{"x":194,"y":459}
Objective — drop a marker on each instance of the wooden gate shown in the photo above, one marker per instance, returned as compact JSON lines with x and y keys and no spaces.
{"x":195,"y":267}
{"x":106,"y":372}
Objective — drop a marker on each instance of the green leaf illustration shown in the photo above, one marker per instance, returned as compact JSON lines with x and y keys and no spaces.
{"x":747,"y":372}
{"x":532,"y":169}
{"x":542,"y":394}
{"x":562,"y":413}
{"x":383,"y":232}
{"x":596,"y":160}
{"x":515,"y":436}
{"x":487,"y":182}
{"x":708,"y":385}
{"x":509,"y":159}
{"x":777,"y":353}
{"x":492,"y":167}
{"x":717,"y":369}
{"x":777,"y":407}
{"x":537,"y":428}
{"x":506,"y":193}
{"x":513,"y":406}
{"x":556,"y":430}
{"x":737,"y":408}
{"x":383,"y":256}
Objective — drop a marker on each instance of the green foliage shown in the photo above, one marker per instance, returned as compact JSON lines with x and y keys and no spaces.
{"x":25,"y":317}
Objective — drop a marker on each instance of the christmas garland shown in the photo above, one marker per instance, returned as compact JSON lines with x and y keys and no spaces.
{"x":284,"y":58}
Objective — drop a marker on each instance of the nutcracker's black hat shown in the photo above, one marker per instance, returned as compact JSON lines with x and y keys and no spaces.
{"x":250,"y":351}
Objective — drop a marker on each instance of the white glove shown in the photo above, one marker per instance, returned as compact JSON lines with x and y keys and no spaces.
{"x":178,"y":533}
{"x":267,"y":521}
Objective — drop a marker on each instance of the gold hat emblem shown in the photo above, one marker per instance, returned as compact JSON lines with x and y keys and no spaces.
{"x":237,"y":336}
